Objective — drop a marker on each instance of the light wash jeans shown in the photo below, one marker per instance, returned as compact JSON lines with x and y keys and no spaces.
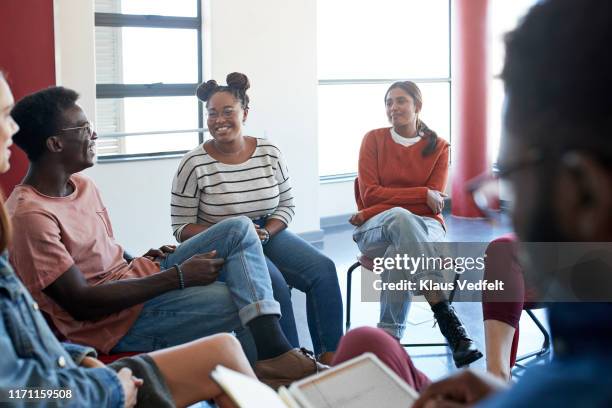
{"x":242,"y":293}
{"x":307,"y":269}
{"x":392,"y":232}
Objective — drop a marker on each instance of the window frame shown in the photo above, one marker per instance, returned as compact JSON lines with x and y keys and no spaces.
{"x":116,"y":91}
{"x":344,"y":177}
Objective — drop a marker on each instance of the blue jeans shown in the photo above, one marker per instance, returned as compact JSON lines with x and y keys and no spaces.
{"x":397,"y":232}
{"x":242,"y":293}
{"x":307,"y":269}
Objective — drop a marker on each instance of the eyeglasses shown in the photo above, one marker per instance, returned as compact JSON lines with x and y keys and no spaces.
{"x":492,"y":189}
{"x":226,"y":113}
{"x":88,"y":129}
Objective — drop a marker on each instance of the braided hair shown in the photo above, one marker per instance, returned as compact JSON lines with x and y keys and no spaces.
{"x":422,"y":129}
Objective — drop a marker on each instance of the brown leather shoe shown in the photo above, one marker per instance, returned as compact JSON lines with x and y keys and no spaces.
{"x":287,"y":368}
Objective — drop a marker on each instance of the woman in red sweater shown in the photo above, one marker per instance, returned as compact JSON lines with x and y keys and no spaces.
{"x":402,"y":176}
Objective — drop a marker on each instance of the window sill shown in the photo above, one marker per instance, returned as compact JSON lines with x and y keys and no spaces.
{"x":337,"y":178}
{"x":120,"y":158}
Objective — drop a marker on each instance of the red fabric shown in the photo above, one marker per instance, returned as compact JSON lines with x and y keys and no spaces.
{"x":471,"y":78}
{"x":109,"y":358}
{"x":392,"y":175}
{"x":386,"y":348}
{"x":28,"y":60}
{"x":502,"y":264}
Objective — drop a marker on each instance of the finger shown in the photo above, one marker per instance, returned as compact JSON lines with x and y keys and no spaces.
{"x":216,"y":262}
{"x":138,"y":382}
{"x":125,"y":373}
{"x":437,"y":391}
{"x":442,"y":403}
{"x":209,"y":255}
{"x":168,"y":249}
{"x":156,"y":253}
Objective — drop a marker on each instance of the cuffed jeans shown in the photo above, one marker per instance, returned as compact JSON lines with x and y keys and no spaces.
{"x":242,"y":293}
{"x":397,"y":232}
{"x":307,"y":269}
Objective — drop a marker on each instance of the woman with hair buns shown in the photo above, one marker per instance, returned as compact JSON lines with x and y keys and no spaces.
{"x":402,"y":176}
{"x":233,"y":174}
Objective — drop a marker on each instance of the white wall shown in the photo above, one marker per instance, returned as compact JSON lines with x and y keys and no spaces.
{"x":274,"y":43}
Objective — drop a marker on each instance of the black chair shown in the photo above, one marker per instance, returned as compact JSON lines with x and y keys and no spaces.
{"x":362,"y":260}
{"x":544,"y":350}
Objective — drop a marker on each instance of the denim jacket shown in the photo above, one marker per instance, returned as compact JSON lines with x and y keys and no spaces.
{"x":32,"y":358}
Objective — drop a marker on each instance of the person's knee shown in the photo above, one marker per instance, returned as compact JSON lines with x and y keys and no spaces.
{"x":364,"y":339}
{"x":366,"y":335}
{"x":324,"y":272}
{"x":241,"y":228}
{"x":240,"y":222}
{"x":223,"y":344}
{"x":400,"y":217}
{"x":328,"y":268}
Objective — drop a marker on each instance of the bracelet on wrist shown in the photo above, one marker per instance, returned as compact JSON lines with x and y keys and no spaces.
{"x":181,"y":279}
{"x":266,"y":238}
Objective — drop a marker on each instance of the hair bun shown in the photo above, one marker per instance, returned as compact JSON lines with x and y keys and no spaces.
{"x":238,"y":80}
{"x":206,"y":89}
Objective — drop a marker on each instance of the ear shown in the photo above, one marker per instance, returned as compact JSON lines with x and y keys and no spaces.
{"x":584,"y":197}
{"x":54,"y":144}
{"x":245,"y":114}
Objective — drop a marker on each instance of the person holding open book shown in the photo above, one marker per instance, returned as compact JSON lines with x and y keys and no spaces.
{"x":557,"y":160}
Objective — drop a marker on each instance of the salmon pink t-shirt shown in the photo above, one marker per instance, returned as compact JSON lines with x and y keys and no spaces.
{"x":53,"y":233}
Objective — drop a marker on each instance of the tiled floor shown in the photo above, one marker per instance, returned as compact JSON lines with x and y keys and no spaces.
{"x":436,"y":362}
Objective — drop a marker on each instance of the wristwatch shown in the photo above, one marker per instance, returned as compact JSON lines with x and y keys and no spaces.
{"x":265,"y":240}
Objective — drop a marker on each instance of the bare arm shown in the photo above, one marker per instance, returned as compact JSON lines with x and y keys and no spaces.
{"x":85,"y":302}
{"x":274,"y":226}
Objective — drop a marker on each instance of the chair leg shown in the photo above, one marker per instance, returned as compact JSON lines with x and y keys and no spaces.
{"x":545,"y":349}
{"x":349,"y":281}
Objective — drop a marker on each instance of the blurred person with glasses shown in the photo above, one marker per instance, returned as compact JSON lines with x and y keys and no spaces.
{"x":555,"y":160}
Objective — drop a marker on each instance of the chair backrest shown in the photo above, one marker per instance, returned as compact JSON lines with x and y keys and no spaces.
{"x":366,"y":262}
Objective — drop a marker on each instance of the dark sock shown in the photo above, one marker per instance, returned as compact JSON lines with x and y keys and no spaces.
{"x":440,"y":306}
{"x":269,"y":338}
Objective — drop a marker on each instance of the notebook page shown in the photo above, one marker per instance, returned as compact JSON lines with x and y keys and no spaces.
{"x":362,"y":384}
{"x":245,"y":391}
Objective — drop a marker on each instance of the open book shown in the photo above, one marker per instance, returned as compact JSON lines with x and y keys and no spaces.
{"x":363,"y":382}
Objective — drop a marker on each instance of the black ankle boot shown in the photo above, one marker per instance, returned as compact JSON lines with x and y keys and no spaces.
{"x":463,"y":348}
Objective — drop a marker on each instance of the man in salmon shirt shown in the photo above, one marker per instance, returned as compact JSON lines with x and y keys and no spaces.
{"x":65,"y":252}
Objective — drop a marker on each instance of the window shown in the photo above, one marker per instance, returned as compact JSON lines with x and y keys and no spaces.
{"x":364,"y":47}
{"x":504,"y":15}
{"x":148,"y":65}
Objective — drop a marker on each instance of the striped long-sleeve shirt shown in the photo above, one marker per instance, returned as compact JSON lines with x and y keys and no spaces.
{"x":206,"y":191}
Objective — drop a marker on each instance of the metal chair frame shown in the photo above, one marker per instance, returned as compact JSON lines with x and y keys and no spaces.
{"x":546,"y":343}
{"x":349,"y":283}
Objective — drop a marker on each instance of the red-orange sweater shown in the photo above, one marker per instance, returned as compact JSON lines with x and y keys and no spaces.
{"x":392,"y":175}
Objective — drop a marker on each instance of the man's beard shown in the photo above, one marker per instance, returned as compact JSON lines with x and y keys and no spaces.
{"x":541,"y":235}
